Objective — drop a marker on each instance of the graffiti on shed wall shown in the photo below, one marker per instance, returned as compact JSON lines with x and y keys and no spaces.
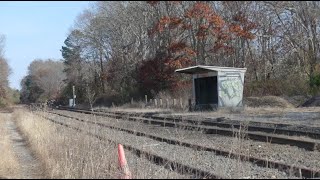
{"x":230,"y":90}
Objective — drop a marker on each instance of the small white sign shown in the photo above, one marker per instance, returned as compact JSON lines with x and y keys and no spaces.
{"x":70,"y":102}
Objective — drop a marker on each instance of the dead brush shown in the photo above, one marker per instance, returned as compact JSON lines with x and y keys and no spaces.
{"x":238,"y":146}
{"x":68,"y":153}
{"x":178,"y":133}
{"x":182,"y":133}
{"x":140,"y":167}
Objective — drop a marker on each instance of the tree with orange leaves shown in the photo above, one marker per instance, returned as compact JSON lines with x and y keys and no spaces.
{"x":188,"y":39}
{"x":202,"y":32}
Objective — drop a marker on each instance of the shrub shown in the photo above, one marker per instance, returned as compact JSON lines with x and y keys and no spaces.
{"x":291,"y":86}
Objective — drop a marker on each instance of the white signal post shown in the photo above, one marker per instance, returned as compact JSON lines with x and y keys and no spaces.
{"x":74,"y":96}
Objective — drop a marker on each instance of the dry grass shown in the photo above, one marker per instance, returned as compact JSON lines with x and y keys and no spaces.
{"x":251,"y":102}
{"x":251,"y":111}
{"x":273,"y":110}
{"x":68,"y":153}
{"x":271,"y":101}
{"x":237,"y":145}
{"x":65,"y":153}
{"x":138,"y":110}
{"x":266,"y":105}
{"x":9,"y":166}
{"x":178,"y":133}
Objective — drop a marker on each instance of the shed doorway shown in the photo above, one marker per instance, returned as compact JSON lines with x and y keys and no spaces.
{"x":206,"y":90}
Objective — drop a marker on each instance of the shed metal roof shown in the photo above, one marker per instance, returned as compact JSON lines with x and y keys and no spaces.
{"x":204,"y":69}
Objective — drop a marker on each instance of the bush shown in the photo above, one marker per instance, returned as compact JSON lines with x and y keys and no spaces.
{"x":2,"y":103}
{"x":314,"y":83}
{"x":291,"y":86}
{"x":267,"y":101}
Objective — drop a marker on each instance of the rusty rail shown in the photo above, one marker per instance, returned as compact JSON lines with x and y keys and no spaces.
{"x":156,"y":159}
{"x":298,"y":171}
{"x":309,"y":145}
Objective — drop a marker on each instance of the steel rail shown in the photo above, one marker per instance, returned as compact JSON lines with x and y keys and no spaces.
{"x":296,"y":170}
{"x":310,"y":145}
{"x":218,"y":122}
{"x":156,"y":159}
{"x":236,"y":124}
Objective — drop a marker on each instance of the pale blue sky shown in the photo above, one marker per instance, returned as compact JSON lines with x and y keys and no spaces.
{"x":35,"y":30}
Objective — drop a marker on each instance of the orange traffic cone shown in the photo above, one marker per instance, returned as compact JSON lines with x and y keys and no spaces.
{"x":125,"y":172}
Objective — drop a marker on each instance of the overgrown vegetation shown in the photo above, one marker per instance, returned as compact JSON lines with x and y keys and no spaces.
{"x":123,"y":50}
{"x":79,"y":155}
{"x":44,"y":81}
{"x":8,"y":96}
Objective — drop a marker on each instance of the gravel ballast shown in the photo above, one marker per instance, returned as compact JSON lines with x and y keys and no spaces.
{"x":140,"y":168}
{"x":275,"y":152}
{"x":296,"y":121}
{"x":223,"y":166}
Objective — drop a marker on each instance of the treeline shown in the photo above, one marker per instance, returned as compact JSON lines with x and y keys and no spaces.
{"x":8,"y":96}
{"x":45,"y":81}
{"x":119,"y":50}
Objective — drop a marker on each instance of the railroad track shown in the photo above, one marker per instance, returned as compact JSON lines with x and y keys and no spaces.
{"x":309,"y":145}
{"x":298,"y":171}
{"x":220,"y":122}
{"x":156,"y":159}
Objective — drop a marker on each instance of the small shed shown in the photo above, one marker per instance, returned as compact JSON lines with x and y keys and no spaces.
{"x":215,"y":86}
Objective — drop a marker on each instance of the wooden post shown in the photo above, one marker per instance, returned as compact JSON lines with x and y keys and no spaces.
{"x":131,"y":101}
{"x":146,"y":97}
{"x":160,"y":102}
{"x":174,"y":102}
{"x":167,"y":103}
{"x":189,"y":103}
{"x":181,"y":105}
{"x":155,"y":102}
{"x":112,"y":104}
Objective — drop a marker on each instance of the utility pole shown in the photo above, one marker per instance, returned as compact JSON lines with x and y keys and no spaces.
{"x":74,"y":96}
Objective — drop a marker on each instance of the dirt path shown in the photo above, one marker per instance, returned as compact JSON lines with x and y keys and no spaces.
{"x":30,"y":168}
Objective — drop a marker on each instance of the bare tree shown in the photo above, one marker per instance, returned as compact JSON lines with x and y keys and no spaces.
{"x":4,"y":74}
{"x":47,"y":76}
{"x":111,"y":41}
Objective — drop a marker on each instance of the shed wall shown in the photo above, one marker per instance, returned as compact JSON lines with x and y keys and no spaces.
{"x":230,"y":89}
